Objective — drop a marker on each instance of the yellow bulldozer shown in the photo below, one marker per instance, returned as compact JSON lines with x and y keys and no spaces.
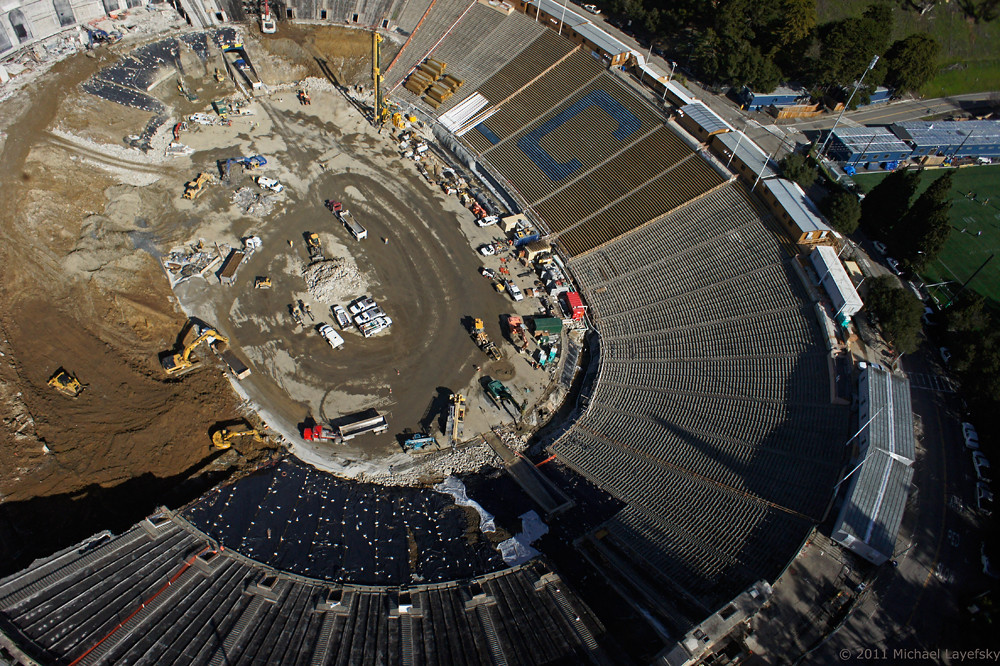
{"x":65,"y":383}
{"x":222,"y":438}
{"x":183,"y":361}
{"x":194,"y":188}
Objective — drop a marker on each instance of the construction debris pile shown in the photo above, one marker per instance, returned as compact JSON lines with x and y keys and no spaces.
{"x":184,"y":264}
{"x":333,"y":281}
{"x":516,"y":443}
{"x":253,"y":202}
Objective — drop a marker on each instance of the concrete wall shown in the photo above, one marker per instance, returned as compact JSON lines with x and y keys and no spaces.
{"x":25,"y":21}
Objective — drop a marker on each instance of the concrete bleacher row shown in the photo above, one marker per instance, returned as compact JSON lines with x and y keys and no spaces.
{"x":688,"y":180}
{"x":632,"y":168}
{"x":163,"y":593}
{"x":538,"y":56}
{"x":442,"y":16}
{"x":300,"y":520}
{"x":711,"y":417}
{"x":578,"y":70}
{"x":483,"y":42}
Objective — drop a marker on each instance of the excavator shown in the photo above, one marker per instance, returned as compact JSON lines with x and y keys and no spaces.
{"x":500,"y":394}
{"x":222,"y":438}
{"x":268,"y":25}
{"x":194,"y":188}
{"x":248,"y":163}
{"x":65,"y":383}
{"x":182,"y":362}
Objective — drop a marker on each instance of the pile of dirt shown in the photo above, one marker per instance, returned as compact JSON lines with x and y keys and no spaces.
{"x":334,"y":280}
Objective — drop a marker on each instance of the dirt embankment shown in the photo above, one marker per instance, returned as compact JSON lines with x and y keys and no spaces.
{"x":78,"y":289}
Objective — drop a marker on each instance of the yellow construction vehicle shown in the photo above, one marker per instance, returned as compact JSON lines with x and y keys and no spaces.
{"x":397,"y":120}
{"x":219,"y":76}
{"x":65,"y":383}
{"x":262,"y":282}
{"x":182,"y":362}
{"x":222,"y":438}
{"x":194,"y":188}
{"x":381,"y":112}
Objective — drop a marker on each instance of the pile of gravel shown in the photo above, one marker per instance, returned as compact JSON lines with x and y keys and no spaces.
{"x":253,"y":202}
{"x":333,"y":281}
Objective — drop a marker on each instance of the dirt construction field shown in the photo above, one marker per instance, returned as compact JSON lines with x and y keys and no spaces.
{"x":84,"y":226}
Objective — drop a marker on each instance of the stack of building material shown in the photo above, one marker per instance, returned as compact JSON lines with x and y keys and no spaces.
{"x":430,"y":81}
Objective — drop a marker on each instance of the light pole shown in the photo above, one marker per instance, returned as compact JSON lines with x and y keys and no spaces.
{"x":563,"y":18}
{"x":857,"y":85}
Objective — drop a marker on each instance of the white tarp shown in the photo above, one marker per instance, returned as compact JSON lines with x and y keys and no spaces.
{"x":463,"y":111}
{"x":517,"y":549}
{"x":453,"y":486}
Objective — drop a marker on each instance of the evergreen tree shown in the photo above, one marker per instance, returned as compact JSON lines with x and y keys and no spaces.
{"x":843,"y":211}
{"x":795,"y":167}
{"x":912,"y":62}
{"x":924,"y":230}
{"x":888,"y":202}
{"x":897,"y":311}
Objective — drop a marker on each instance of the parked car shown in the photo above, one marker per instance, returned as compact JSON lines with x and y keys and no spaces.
{"x":360,"y":305}
{"x":893,"y":265}
{"x":341,"y":315}
{"x":926,"y":316}
{"x":982,"y":465}
{"x":487,"y":272}
{"x":331,"y":336}
{"x":270,"y":184}
{"x":945,"y":355}
{"x":984,"y":498}
{"x":882,"y":249}
{"x":592,"y":9}
{"x":487,"y":221}
{"x":487,"y":250}
{"x":968,"y":428}
{"x":514,"y":291}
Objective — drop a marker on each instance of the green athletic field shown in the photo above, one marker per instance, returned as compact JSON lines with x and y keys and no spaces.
{"x":975,"y":233}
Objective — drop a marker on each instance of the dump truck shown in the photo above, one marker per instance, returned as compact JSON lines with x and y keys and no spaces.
{"x":194,"y":188}
{"x":483,"y":340}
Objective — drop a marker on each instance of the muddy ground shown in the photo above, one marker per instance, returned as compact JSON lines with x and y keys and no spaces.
{"x":83,"y":225}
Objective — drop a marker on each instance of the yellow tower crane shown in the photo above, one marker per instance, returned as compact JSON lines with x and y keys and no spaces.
{"x":381,"y":113}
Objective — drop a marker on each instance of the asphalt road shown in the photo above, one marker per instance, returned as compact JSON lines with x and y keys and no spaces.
{"x":920,"y":604}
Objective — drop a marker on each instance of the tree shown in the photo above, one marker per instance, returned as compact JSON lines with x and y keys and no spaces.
{"x":967,"y":313}
{"x":847,"y":46}
{"x":798,"y":19}
{"x":897,"y":311}
{"x":925,"y":228}
{"x":888,"y":202}
{"x":912,"y":62}
{"x":843,"y":211}
{"x":796,"y":167}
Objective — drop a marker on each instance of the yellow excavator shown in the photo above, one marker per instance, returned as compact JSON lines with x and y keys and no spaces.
{"x":182,"y":362}
{"x":222,"y":438}
{"x":194,"y":188}
{"x":65,"y":383}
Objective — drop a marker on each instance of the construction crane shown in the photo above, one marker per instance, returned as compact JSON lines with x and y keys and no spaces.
{"x":65,"y":383}
{"x":182,"y":362}
{"x":381,"y":112}
{"x":222,"y":438}
{"x":267,"y":23}
{"x":455,"y":425}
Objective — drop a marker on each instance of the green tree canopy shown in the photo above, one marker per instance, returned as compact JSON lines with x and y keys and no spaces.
{"x":796,"y":167}
{"x":847,"y":46}
{"x":888,"y":202}
{"x":897,"y":311}
{"x":923,"y":231}
{"x":843,"y":210}
{"x":912,"y":62}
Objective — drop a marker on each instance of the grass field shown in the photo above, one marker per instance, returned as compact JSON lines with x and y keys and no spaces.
{"x":966,"y":249}
{"x":968,"y":58}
